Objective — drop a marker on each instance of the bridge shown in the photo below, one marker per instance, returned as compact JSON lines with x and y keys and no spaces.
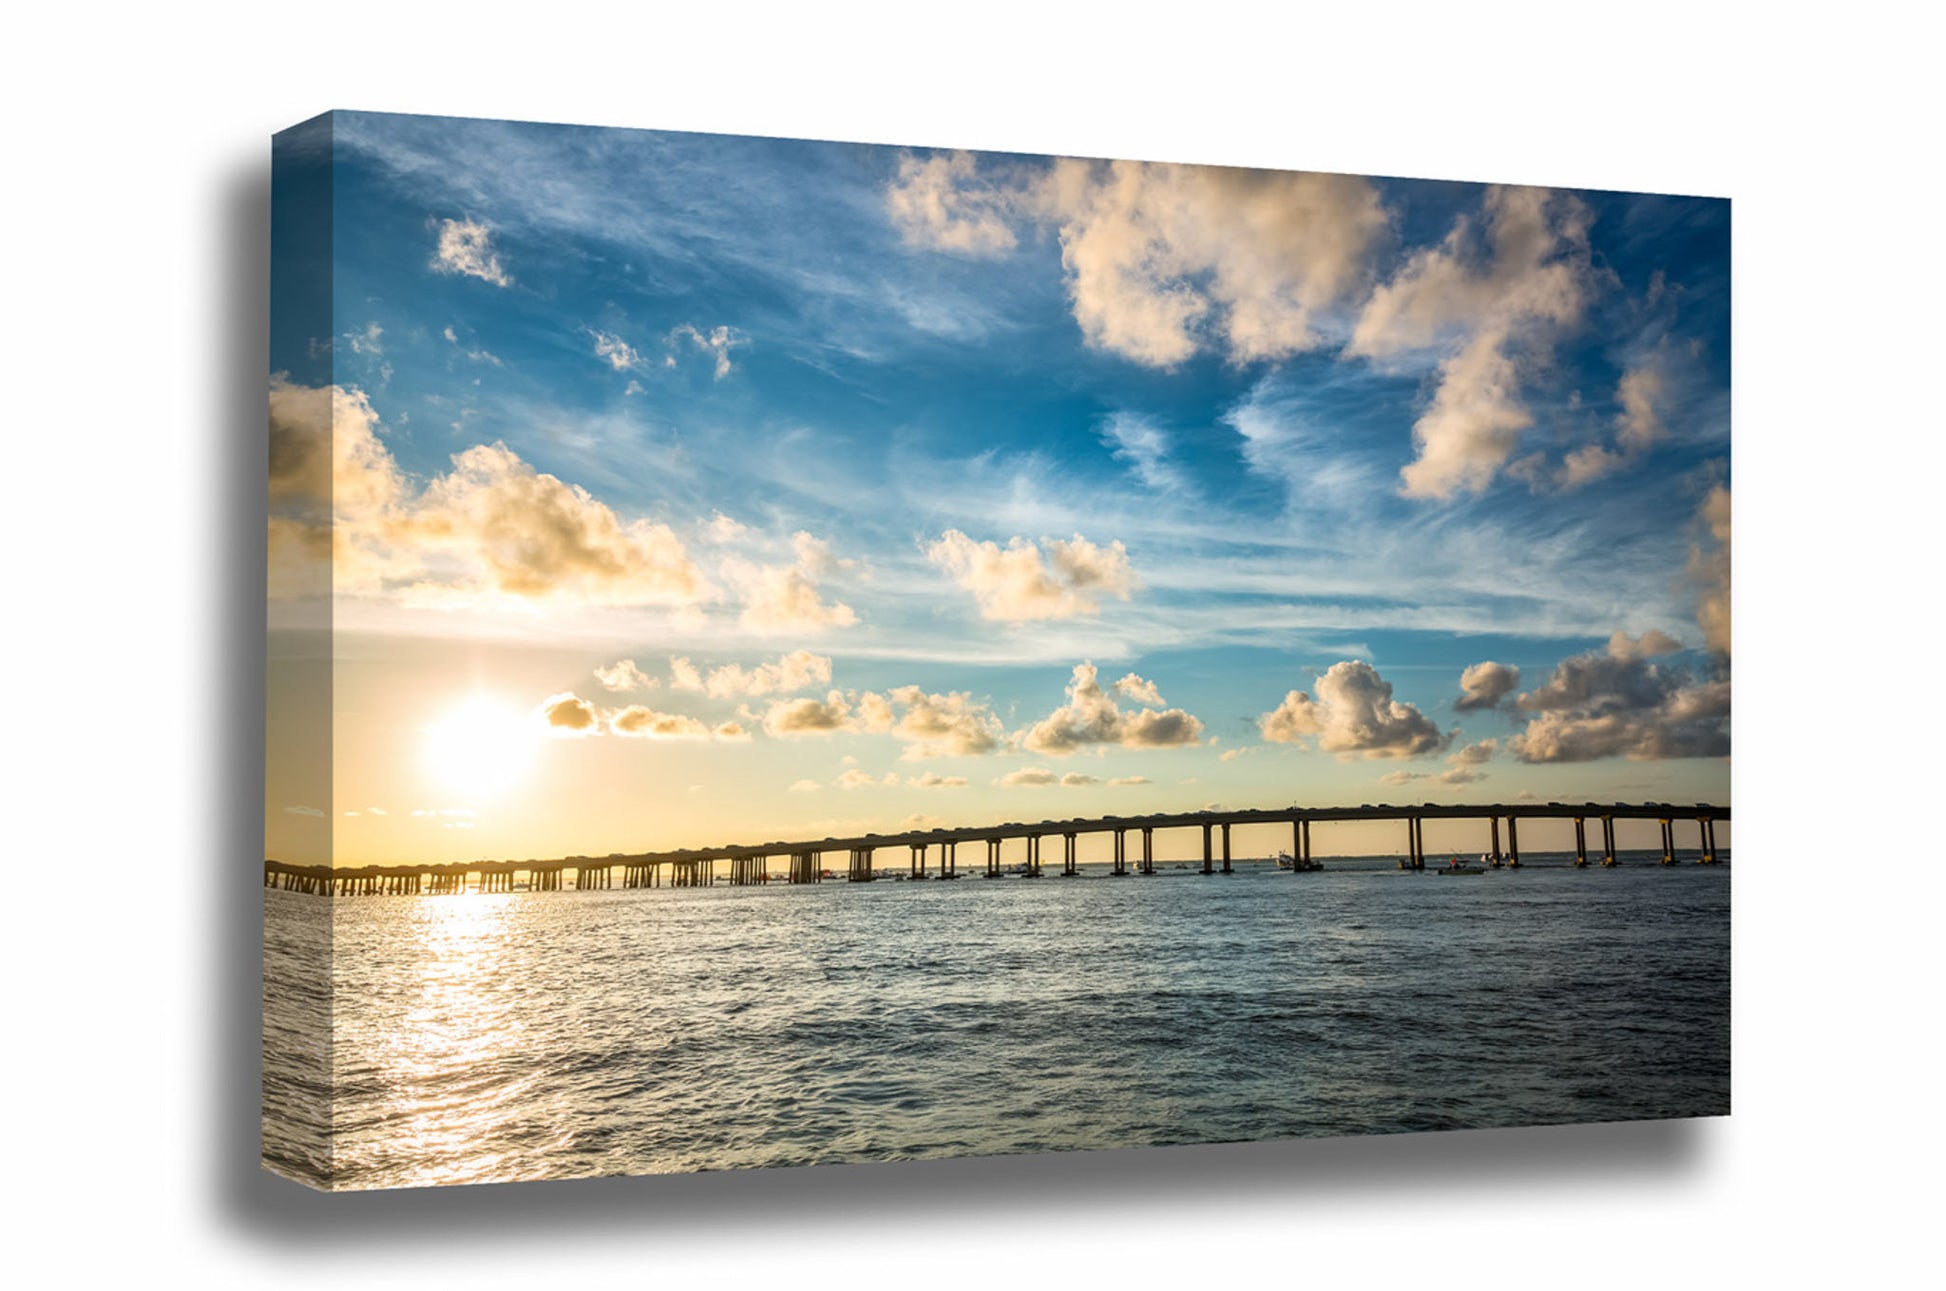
{"x":749,"y":863}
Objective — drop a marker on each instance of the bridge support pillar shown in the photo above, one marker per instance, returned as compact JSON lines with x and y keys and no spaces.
{"x":1580,"y":843}
{"x":1121,"y":855}
{"x":1707,"y":828}
{"x":1608,"y":841}
{"x":1207,"y":868}
{"x":1226,"y":849}
{"x":993,"y":858}
{"x":1070,"y":866}
{"x":1668,"y":841}
{"x":1493,"y":857}
{"x":1513,"y":844}
{"x":1148,"y":849}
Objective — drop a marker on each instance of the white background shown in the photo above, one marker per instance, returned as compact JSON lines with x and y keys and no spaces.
{"x":137,"y":167}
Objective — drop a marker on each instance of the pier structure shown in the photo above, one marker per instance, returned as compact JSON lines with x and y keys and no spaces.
{"x":749,"y":864}
{"x":1033,"y":863}
{"x":1208,"y":857}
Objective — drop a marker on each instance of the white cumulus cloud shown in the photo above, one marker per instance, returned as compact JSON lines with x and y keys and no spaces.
{"x":1092,"y":717}
{"x":1709,"y":566}
{"x":930,"y":725}
{"x":1484,"y":685}
{"x":717,"y":342}
{"x":787,"y":598}
{"x":622,"y":676}
{"x":466,"y":247}
{"x":797,"y":670}
{"x":640,"y":722}
{"x":1022,"y":582}
{"x":1500,"y":290}
{"x":492,"y":529}
{"x":941,"y":202}
{"x":1622,"y":703}
{"x":1354,"y":716}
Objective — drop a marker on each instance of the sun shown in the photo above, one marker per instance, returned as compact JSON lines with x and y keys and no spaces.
{"x":480,"y":747}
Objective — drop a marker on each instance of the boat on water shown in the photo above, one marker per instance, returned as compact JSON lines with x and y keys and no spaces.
{"x":1460,"y":869}
{"x":1285,"y":861}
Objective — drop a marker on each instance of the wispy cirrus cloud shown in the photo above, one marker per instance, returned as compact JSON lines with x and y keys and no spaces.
{"x":1144,"y":445}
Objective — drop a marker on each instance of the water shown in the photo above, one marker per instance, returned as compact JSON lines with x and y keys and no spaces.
{"x":569,"y":1034}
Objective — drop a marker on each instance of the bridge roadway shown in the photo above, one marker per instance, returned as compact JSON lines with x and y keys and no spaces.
{"x":696,"y":866}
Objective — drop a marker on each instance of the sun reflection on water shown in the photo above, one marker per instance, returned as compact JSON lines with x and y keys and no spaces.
{"x":450,"y":1040}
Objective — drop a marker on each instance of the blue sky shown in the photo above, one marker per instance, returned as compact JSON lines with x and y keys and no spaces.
{"x":955,"y":443}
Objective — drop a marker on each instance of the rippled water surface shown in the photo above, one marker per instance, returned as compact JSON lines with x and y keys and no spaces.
{"x":565,"y":1034}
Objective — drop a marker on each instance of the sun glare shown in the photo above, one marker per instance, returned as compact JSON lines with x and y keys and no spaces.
{"x":481,"y":747}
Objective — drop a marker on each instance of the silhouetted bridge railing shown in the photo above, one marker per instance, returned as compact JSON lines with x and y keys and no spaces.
{"x":692,"y":867}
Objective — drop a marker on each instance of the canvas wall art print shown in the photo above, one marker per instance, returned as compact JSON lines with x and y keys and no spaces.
{"x":789,"y":652}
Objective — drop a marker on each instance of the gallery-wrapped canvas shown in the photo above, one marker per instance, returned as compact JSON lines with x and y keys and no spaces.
{"x":787,"y":652}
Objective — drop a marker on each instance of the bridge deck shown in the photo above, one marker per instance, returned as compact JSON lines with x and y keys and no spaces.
{"x":928,"y":838}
